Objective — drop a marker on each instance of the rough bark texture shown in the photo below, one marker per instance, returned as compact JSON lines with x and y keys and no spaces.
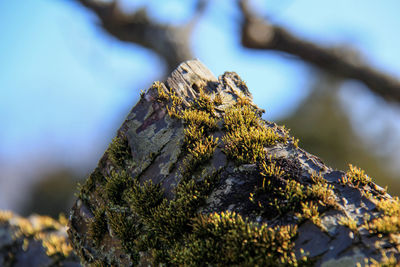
{"x":34,"y":241}
{"x":196,"y":177}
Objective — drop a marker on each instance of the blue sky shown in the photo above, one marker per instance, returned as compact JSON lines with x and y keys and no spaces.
{"x":65,"y":86}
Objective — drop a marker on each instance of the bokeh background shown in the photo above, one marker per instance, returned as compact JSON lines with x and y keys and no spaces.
{"x":66,"y":86}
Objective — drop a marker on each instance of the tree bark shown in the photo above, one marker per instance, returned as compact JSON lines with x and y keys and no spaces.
{"x":194,"y":176}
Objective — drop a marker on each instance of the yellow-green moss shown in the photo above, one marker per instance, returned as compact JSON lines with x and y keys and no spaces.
{"x":43,"y":229}
{"x":389,"y":207}
{"x":98,"y":226}
{"x":204,"y":102}
{"x":309,"y":211}
{"x":172,"y":230}
{"x":349,"y":222}
{"x":119,"y":152}
{"x":246,"y":135}
{"x":356,"y":177}
{"x":384,"y":225}
{"x":227,"y":239}
{"x":279,"y":193}
{"x":385,"y":261}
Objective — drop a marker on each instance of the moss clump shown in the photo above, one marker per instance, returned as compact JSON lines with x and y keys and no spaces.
{"x":246,"y":145}
{"x":144,"y":198}
{"x":241,"y":115}
{"x":227,"y":239}
{"x":246,"y":135}
{"x":199,"y":118}
{"x":204,"y":102}
{"x":390,"y":207}
{"x":125,"y":226}
{"x":389,"y":221}
{"x":43,"y":229}
{"x":116,"y":183}
{"x":350,"y":223}
{"x":5,"y":215}
{"x":119,"y":152}
{"x":356,"y":177}
{"x":384,"y":225}
{"x":321,"y":191}
{"x":309,"y":211}
{"x":98,"y":227}
{"x":385,"y":261}
{"x":279,"y":193}
{"x":162,"y":94}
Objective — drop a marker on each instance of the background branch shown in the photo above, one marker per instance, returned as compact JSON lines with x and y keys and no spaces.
{"x":257,"y":33}
{"x":171,"y":43}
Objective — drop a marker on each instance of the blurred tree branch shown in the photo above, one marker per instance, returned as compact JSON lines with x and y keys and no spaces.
{"x":257,"y":33}
{"x":170,"y":42}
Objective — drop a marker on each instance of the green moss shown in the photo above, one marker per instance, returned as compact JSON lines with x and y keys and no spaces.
{"x":356,"y":177}
{"x":171,"y":219}
{"x":116,"y":183}
{"x":98,"y":226}
{"x":385,"y":261}
{"x":199,"y":118}
{"x":350,"y":223}
{"x":119,"y":152}
{"x":246,"y":135}
{"x":238,"y":115}
{"x":227,"y":239}
{"x":280,"y":194}
{"x":390,"y":207}
{"x":144,"y":198}
{"x":204,"y":102}
{"x":125,"y":226}
{"x":173,"y":231}
{"x":309,"y":211}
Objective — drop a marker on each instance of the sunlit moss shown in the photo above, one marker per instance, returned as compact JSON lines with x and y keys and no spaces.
{"x":323,"y":193}
{"x":356,"y":177}
{"x":384,"y":225}
{"x":246,"y":135}
{"x":238,"y":116}
{"x":204,"y":102}
{"x":43,"y":229}
{"x":162,"y":94}
{"x":218,"y":100}
{"x":385,"y":261}
{"x":246,"y":145}
{"x":199,"y":118}
{"x":309,"y":211}
{"x":389,"y":207}
{"x":5,"y":215}
{"x":55,"y":244}
{"x":227,"y":239}
{"x":204,"y":149}
{"x":193,"y":133}
{"x":349,"y":222}
{"x":271,"y":170}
